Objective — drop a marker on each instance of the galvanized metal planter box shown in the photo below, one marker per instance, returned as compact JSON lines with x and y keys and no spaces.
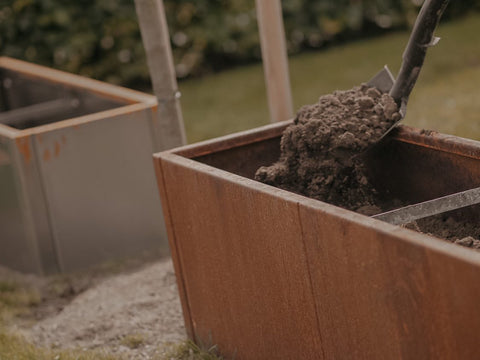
{"x":77,"y":185}
{"x":268,"y":274}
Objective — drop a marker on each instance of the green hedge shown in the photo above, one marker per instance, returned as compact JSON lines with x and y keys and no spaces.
{"x":101,"y":38}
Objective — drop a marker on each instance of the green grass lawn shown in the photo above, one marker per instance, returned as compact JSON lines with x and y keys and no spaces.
{"x":446,"y":97}
{"x":16,"y":347}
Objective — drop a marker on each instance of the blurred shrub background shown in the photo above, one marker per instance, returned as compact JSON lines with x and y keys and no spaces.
{"x":101,"y":38}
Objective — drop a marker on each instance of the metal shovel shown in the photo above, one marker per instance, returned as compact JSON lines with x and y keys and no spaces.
{"x":428,"y":208}
{"x":420,"y":40}
{"x":413,"y":57}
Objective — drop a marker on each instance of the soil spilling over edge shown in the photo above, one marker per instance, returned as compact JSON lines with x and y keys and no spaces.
{"x":321,"y":151}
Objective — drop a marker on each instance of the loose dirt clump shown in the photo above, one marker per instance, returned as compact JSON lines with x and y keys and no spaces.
{"x":321,"y":151}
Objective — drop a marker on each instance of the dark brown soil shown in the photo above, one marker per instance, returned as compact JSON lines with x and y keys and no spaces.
{"x":321,"y":157}
{"x":461,"y":232}
{"x":321,"y":151}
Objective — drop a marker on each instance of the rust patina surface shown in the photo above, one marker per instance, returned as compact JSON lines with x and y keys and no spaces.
{"x":268,"y":274}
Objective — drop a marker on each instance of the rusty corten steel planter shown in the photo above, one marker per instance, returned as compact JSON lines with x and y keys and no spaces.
{"x":268,"y":274}
{"x":77,"y":186}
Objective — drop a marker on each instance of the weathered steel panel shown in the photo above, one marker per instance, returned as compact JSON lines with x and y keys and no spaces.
{"x":100,"y":188}
{"x":416,"y":167}
{"x":383,"y":292}
{"x":243,"y":269}
{"x":174,"y":251}
{"x":250,"y":258}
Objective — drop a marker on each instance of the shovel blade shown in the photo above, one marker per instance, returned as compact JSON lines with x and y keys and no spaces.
{"x":383,"y":80}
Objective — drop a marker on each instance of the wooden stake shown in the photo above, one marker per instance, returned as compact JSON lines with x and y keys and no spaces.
{"x":156,"y":40}
{"x":275,"y":60}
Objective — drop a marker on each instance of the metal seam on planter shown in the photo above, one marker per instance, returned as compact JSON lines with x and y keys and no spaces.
{"x":310,"y":279}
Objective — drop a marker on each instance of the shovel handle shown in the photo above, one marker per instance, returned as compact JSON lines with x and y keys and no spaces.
{"x":414,"y":55}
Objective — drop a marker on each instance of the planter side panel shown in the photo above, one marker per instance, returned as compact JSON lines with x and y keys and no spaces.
{"x":18,"y":249}
{"x":417,"y":173}
{"x":243,"y":264}
{"x":100,"y":188}
{"x":380,"y":296}
{"x":174,"y":252}
{"x":244,"y":160}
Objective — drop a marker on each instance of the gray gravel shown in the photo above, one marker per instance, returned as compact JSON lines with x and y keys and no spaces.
{"x":144,"y":304}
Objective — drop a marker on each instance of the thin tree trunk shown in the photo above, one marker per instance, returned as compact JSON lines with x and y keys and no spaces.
{"x":156,"y":40}
{"x":275,"y":60}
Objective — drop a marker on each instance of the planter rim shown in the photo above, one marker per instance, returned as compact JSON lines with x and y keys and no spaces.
{"x":447,"y":143}
{"x":74,"y":122}
{"x":404,"y":133}
{"x":134,"y":100}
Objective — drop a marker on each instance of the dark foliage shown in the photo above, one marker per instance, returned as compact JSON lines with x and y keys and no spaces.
{"x":101,"y":38}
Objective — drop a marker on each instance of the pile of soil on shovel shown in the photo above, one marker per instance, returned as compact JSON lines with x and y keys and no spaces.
{"x":321,"y":157}
{"x":321,"y":151}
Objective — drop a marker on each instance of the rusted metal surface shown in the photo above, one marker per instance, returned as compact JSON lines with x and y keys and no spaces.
{"x":383,"y":292}
{"x":416,"y":166}
{"x":265,"y":273}
{"x":78,"y":190}
{"x":239,"y":290}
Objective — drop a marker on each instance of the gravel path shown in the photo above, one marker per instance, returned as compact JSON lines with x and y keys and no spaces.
{"x":143,"y":305}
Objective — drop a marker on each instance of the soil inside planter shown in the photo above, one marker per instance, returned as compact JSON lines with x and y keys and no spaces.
{"x":321,"y":152}
{"x":459,"y":230}
{"x":322,"y":156}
